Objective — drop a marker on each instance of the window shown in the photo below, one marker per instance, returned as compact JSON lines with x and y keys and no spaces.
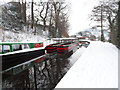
{"x":6,"y":48}
{"x":25,"y":46}
{"x":16,"y":47}
{"x":0,"y":48}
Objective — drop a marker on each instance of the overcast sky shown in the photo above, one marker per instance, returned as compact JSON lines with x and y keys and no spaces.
{"x":80,"y":9}
{"x":79,"y":14}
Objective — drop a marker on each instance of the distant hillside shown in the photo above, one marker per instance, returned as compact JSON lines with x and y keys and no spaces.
{"x":95,"y":32}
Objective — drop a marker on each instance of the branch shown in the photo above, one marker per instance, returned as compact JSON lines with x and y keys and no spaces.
{"x":43,"y":7}
{"x":46,"y":10}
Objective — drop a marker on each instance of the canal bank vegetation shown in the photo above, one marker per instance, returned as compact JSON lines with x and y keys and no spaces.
{"x":45,"y":19}
{"x":105,"y":16}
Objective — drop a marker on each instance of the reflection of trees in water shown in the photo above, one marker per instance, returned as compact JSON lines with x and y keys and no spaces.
{"x":50,"y":73}
{"x":44,"y":75}
{"x":16,"y":81}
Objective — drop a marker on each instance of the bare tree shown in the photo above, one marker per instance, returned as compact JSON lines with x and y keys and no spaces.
{"x":51,"y":22}
{"x":106,"y":13}
{"x":64,"y":25}
{"x":59,"y":8}
{"x":49,"y":14}
{"x":43,"y":15}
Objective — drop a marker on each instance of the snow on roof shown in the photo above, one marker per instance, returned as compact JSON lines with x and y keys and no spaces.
{"x":22,"y":42}
{"x":22,"y":51}
{"x":63,"y":38}
{"x":96,"y":68}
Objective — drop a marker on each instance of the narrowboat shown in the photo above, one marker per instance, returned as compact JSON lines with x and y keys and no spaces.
{"x":67,"y":47}
{"x":52,"y":48}
{"x":13,"y":54}
{"x":17,"y":46}
{"x":84,"y":43}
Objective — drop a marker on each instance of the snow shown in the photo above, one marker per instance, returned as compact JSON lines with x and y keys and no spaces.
{"x":9,"y":36}
{"x":96,"y":68}
{"x":77,"y":55}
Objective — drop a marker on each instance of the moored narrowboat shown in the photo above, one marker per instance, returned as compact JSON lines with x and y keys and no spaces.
{"x":52,"y":48}
{"x":67,"y":47}
{"x":13,"y":54}
{"x":7,"y":47}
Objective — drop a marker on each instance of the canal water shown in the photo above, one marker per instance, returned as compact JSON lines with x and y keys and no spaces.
{"x":45,"y":75}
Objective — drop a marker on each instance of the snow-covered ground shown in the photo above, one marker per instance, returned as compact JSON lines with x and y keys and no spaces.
{"x":77,"y":55}
{"x":96,"y":68}
{"x":9,"y":36}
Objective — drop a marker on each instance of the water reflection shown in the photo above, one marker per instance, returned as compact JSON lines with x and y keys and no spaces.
{"x":16,"y":81}
{"x":46,"y":74}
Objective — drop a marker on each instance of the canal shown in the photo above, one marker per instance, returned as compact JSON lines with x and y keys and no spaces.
{"x":45,"y":75}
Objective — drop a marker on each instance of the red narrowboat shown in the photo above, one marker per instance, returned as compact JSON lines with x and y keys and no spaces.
{"x":52,"y":48}
{"x":67,"y":47}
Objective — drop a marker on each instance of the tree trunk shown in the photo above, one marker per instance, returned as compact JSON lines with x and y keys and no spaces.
{"x":102,"y":33}
{"x":50,"y":26}
{"x":24,"y":12}
{"x":32,"y":15}
{"x":112,"y":30}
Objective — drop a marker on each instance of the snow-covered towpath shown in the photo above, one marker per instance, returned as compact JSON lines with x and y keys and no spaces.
{"x":96,"y":68}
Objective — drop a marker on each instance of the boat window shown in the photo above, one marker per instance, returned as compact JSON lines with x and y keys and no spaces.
{"x":16,"y":47}
{"x":5,"y":48}
{"x":0,"y":48}
{"x":25,"y":46}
